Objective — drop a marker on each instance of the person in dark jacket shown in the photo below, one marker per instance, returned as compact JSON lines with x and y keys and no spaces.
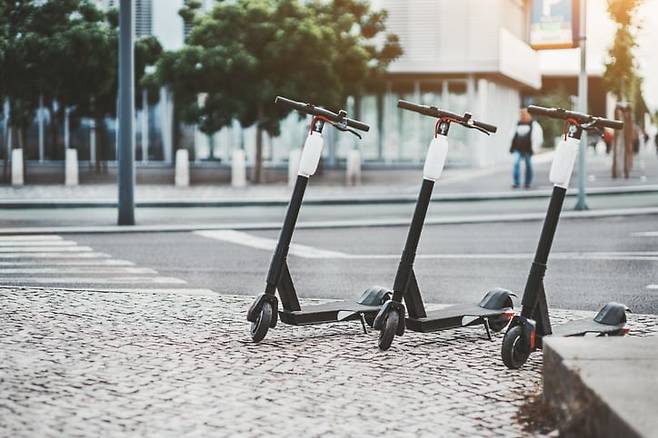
{"x":528,"y":136}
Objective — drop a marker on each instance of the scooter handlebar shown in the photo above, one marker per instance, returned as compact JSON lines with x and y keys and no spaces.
{"x":581,"y":118}
{"x":313,"y":110}
{"x":432,"y":111}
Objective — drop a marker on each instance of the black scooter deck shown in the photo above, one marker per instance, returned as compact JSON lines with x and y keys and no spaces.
{"x":326,"y":312}
{"x":580,"y":327}
{"x":451,"y":317}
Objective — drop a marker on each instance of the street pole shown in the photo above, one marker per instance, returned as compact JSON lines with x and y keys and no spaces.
{"x":581,"y":204}
{"x":126,"y":150}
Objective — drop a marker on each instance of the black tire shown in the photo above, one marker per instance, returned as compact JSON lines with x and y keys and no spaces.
{"x":513,"y":357}
{"x":498,"y":323}
{"x":387,"y":333}
{"x":262,"y":324}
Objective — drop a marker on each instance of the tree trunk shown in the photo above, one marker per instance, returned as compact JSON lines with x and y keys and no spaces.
{"x":257,"y":176}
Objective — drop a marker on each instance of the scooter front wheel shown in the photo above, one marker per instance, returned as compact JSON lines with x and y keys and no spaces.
{"x":512,"y":352}
{"x":387,"y":333}
{"x":262,"y":324}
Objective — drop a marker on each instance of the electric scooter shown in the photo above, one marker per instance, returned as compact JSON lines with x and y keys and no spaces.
{"x":494,"y":311}
{"x":526,"y":331}
{"x":263,"y":312}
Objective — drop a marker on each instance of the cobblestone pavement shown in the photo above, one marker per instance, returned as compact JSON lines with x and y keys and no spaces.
{"x":78,"y":363}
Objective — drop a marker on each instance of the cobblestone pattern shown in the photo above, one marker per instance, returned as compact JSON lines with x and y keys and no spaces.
{"x":92,"y":364}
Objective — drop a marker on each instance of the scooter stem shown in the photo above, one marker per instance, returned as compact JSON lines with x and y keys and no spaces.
{"x":538,"y":268}
{"x":413,"y":237}
{"x":283,"y":244}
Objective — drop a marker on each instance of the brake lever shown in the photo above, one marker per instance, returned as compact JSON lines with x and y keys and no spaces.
{"x":343,"y":127}
{"x":469,"y":126}
{"x":592,"y":126}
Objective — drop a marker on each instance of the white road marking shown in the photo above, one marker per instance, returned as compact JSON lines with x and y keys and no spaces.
{"x":646,"y":234}
{"x":42,"y":237}
{"x":652,"y":286}
{"x":46,"y":249}
{"x":53,"y":255}
{"x":66,"y":262}
{"x":250,"y":240}
{"x":78,"y":270}
{"x":36,"y":243}
{"x":141,"y":290}
{"x":92,"y":280}
{"x":304,"y":251}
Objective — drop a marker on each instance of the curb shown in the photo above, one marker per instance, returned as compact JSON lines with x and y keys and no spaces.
{"x":602,"y":387}
{"x":279,"y":201}
{"x":361,"y":223}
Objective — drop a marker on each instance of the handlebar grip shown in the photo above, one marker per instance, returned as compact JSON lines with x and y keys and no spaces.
{"x":540,"y":111}
{"x":422,"y":109}
{"x":356,"y":124}
{"x":290,"y":103}
{"x":613,"y":124}
{"x":485,"y":126}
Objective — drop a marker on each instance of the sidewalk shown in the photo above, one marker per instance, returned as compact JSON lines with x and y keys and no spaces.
{"x":111,"y":364}
{"x":382,"y":185}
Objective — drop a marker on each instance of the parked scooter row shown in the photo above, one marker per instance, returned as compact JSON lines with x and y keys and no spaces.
{"x":392,"y":311}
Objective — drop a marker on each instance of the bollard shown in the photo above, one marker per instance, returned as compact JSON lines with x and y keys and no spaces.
{"x":238,"y":168}
{"x":71,"y":167}
{"x":17,"y":167}
{"x":353,"y":167}
{"x":293,"y":165}
{"x":182,"y":171}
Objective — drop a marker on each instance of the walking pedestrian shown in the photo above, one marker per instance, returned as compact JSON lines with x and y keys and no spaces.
{"x":528,"y":137}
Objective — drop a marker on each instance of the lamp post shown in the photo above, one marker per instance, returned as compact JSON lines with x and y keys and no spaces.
{"x":126,"y":114}
{"x":581,"y":204}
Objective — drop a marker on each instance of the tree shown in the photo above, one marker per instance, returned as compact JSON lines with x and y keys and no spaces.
{"x":245,"y":52}
{"x":621,"y":76}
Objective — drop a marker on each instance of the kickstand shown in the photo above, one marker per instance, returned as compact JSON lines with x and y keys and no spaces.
{"x":486,"y":327}
{"x":363,"y":323}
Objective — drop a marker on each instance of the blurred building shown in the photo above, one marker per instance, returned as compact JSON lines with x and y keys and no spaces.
{"x":467,"y":55}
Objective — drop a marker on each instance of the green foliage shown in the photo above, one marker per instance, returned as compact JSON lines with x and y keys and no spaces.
{"x":245,"y":52}
{"x":66,"y":52}
{"x":621,"y":76}
{"x":557,"y":98}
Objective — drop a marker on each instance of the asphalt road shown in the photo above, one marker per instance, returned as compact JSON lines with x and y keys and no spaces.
{"x":593,"y":261}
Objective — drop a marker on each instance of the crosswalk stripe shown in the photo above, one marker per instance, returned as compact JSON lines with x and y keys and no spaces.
{"x":645,"y":234}
{"x":78,"y":270}
{"x":652,"y":286}
{"x":49,"y":261}
{"x":133,"y":290}
{"x":53,"y":255}
{"x":92,"y":280}
{"x":34,"y":237}
{"x":31,"y":243}
{"x":46,"y":249}
{"x":68,"y":262}
{"x":146,"y":290}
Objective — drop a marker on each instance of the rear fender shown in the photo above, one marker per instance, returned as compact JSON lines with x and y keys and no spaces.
{"x":497,"y":299}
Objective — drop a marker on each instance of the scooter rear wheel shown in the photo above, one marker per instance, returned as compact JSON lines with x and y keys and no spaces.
{"x":513,"y":356}
{"x":262,"y":324}
{"x":387,"y":333}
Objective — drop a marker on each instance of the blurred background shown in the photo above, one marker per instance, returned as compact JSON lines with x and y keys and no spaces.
{"x":206,"y":74}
